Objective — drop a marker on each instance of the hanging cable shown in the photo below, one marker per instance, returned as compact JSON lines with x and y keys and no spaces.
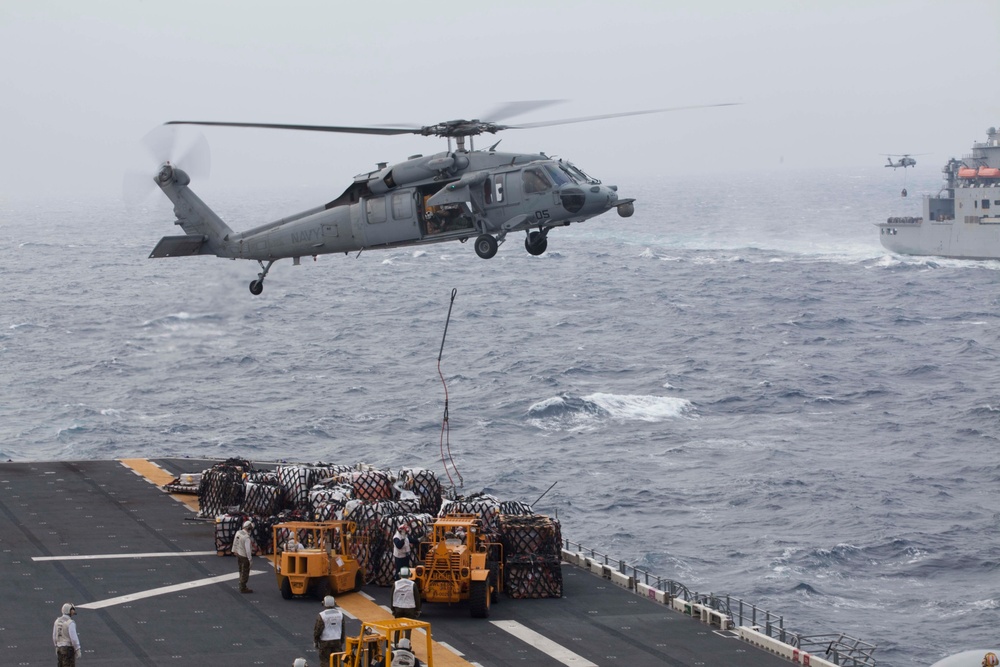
{"x":445,"y":443}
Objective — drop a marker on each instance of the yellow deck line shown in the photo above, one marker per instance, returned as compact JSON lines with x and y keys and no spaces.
{"x":357,"y":605}
{"x":158,"y":476}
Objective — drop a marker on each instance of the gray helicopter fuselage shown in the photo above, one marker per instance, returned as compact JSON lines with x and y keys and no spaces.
{"x":442,"y":197}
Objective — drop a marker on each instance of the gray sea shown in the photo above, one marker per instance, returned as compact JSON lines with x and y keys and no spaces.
{"x":736,"y":388}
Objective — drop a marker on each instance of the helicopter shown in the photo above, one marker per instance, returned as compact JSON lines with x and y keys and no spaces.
{"x":905,"y":161}
{"x":453,"y":195}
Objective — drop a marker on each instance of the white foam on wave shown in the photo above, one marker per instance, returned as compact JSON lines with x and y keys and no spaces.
{"x":590,"y":412}
{"x":642,"y":408}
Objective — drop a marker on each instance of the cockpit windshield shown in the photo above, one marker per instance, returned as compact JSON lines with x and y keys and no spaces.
{"x":559,"y":175}
{"x":578,"y":174}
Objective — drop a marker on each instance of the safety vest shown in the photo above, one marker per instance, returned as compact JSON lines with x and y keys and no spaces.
{"x":402,"y":595}
{"x":333,"y":619}
{"x":398,"y":552}
{"x":63,"y":637}
{"x":403,"y":658}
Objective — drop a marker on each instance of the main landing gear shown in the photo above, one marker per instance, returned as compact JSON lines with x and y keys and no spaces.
{"x":486,"y":246}
{"x":257,"y":286}
{"x":536,"y":242}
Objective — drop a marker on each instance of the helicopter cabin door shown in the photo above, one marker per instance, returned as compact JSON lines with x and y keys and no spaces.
{"x":391,"y":218}
{"x":496,"y":196}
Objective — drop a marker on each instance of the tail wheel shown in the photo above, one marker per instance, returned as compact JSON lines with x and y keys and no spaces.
{"x":479,"y":599}
{"x":486,"y":246}
{"x":256,"y":287}
{"x":286,"y":588}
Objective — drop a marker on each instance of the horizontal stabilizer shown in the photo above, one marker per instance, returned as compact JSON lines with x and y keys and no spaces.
{"x":178,"y":246}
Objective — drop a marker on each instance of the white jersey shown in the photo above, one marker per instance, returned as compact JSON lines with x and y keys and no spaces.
{"x":333,"y":621}
{"x":402,"y":594}
{"x":64,"y":632}
{"x":242,"y":545}
{"x":400,"y":552}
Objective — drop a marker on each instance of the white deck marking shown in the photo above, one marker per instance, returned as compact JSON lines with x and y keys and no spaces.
{"x":451,"y":648}
{"x":153,"y":592}
{"x":158,"y":554}
{"x":544,"y":644}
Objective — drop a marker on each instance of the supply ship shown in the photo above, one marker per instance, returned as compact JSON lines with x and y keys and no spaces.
{"x":141,"y":565}
{"x":963,"y":220}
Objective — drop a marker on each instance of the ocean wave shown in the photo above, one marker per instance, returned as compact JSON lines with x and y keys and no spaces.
{"x":566,"y":412}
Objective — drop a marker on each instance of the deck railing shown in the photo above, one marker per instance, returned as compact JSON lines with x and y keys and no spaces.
{"x":840,"y":649}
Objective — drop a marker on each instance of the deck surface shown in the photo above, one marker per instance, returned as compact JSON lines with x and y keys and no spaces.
{"x":150,"y":590}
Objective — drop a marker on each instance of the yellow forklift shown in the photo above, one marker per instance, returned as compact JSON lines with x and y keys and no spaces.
{"x":376,"y":641}
{"x":457,"y":564}
{"x":316,"y":557}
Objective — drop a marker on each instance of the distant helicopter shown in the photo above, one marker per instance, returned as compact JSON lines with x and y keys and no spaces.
{"x":905,"y":161}
{"x":449,"y":196}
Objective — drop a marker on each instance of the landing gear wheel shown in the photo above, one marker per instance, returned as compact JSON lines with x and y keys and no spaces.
{"x":486,"y":246}
{"x":536,"y":243}
{"x":479,"y":599}
{"x":286,"y":589}
{"x":256,"y":287}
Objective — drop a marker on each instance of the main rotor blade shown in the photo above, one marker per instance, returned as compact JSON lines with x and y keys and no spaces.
{"x":308,"y":128}
{"x":584,"y":119}
{"x":511,"y":109}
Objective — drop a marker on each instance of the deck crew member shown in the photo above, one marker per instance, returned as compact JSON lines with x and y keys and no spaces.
{"x":328,"y":632}
{"x":243,"y":549}
{"x":402,"y":655}
{"x":401,"y":547}
{"x":64,"y":637}
{"x":405,"y":598}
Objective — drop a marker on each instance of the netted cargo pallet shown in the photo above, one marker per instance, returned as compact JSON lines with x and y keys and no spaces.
{"x":533,"y":577}
{"x":221,"y":487}
{"x":262,"y":498}
{"x":532,"y":547}
{"x":483,"y":505}
{"x":372,"y":485}
{"x":328,"y":502}
{"x":425,"y":485}
{"x":534,"y":534}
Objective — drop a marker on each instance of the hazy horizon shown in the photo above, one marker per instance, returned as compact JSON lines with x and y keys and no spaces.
{"x":818,"y":84}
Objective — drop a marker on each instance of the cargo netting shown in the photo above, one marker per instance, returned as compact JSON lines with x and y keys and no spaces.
{"x":532,"y":546}
{"x":221,"y":488}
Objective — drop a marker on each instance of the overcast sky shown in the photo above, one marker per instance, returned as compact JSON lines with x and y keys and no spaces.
{"x":835,"y":82}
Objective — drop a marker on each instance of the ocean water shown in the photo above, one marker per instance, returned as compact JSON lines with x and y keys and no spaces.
{"x":736,"y":388}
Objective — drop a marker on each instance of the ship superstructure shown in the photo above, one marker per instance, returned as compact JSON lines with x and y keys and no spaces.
{"x":963,"y":219}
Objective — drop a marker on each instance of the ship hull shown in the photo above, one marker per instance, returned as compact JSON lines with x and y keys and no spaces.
{"x":950,"y":238}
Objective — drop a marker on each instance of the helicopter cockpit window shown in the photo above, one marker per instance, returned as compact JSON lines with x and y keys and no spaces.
{"x":376,"y":210}
{"x":533,"y":181}
{"x":559,"y":177}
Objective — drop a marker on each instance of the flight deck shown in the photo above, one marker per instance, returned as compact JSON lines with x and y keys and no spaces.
{"x":150,"y":589}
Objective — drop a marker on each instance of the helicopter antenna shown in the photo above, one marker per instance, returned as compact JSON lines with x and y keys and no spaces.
{"x":445,"y":443}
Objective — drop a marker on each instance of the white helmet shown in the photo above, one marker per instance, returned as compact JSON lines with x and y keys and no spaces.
{"x":404,"y":644}
{"x":67,"y":608}
{"x":328,"y":601}
{"x":404,"y":573}
{"x":299,"y":662}
{"x":247,"y":525}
